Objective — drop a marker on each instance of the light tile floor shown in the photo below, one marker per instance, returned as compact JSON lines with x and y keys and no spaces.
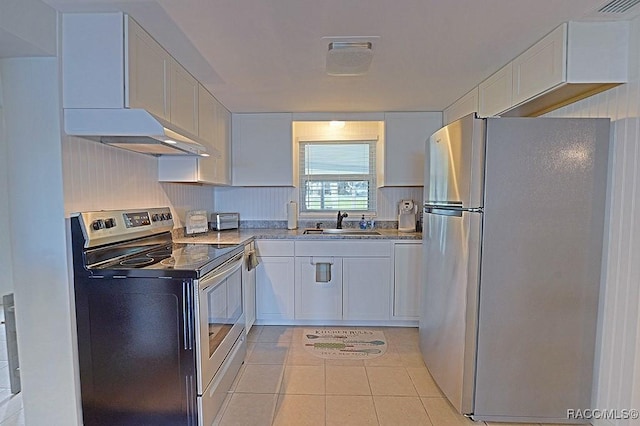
{"x":282,"y":384}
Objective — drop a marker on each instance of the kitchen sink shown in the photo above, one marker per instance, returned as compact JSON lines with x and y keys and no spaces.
{"x":340,"y":232}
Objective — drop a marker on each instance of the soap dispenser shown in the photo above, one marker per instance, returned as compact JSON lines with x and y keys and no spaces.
{"x":363,"y":223}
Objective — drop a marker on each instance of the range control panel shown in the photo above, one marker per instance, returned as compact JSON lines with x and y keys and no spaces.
{"x":109,"y":226}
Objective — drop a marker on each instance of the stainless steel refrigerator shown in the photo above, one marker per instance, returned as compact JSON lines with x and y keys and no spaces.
{"x":513,"y":234}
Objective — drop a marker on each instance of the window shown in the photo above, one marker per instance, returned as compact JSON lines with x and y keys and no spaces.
{"x":337,"y":175}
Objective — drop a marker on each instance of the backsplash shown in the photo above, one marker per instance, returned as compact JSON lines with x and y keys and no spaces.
{"x":102,"y":177}
{"x":270,"y":203}
{"x":303,"y":224}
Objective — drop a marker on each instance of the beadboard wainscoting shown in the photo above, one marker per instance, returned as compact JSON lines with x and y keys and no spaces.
{"x":98,"y":176}
{"x":270,"y":203}
{"x":618,"y":353}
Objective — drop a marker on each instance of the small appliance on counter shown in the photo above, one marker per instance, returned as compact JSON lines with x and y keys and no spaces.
{"x":196,"y":222}
{"x":224,"y":221}
{"x":407,"y":216}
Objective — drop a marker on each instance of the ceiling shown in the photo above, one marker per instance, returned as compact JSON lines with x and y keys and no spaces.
{"x":269,"y":56}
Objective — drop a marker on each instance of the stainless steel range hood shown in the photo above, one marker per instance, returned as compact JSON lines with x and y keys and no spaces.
{"x":133,"y":129}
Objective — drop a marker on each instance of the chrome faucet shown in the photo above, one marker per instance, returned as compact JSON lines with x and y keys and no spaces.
{"x":340,"y":217}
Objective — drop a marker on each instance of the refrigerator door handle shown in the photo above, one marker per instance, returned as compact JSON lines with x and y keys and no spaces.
{"x":449,"y":210}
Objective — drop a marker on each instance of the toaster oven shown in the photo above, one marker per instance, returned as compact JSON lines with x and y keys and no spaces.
{"x":222,"y":221}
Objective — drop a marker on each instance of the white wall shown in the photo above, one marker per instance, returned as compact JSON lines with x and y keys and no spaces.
{"x":102,"y":177}
{"x":38,"y":240}
{"x":6,"y":281}
{"x":26,"y":28}
{"x":618,"y":352}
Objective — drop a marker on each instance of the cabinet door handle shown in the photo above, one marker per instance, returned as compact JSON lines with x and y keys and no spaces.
{"x":314,"y":262}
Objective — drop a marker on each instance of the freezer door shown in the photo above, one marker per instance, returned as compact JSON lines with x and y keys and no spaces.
{"x":454,"y":163}
{"x":449,"y":303}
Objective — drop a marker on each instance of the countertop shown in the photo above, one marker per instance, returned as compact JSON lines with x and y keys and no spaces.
{"x":241,"y":236}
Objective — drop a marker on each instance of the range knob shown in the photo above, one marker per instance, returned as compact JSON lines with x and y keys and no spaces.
{"x":109,"y":223}
{"x":164,"y":216}
{"x":97,"y":224}
{"x":169,"y":216}
{"x":155,"y":217}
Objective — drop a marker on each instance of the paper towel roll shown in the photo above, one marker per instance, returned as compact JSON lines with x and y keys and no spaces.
{"x":292,"y":215}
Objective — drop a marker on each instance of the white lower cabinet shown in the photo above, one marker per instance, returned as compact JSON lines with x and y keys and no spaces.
{"x":318,"y":288}
{"x":407,"y":280}
{"x":360,"y":284}
{"x":366,"y":282}
{"x":344,"y":281}
{"x":274,"y":280}
{"x":249,"y":287}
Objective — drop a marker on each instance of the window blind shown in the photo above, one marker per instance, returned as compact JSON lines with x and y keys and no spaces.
{"x":337,"y":175}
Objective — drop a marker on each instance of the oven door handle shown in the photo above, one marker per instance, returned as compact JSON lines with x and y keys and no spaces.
{"x":216,"y":276}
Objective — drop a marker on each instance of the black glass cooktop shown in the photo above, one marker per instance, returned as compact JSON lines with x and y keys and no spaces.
{"x":172,"y":257}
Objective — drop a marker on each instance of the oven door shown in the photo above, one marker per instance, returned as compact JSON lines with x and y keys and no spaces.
{"x":221,"y":318}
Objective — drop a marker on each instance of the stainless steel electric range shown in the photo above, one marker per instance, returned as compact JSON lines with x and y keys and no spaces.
{"x":160,"y":325}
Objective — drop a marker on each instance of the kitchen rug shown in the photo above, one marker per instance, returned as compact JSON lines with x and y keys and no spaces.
{"x":332,"y":343}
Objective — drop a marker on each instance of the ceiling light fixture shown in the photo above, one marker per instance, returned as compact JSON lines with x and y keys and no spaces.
{"x":349,"y":58}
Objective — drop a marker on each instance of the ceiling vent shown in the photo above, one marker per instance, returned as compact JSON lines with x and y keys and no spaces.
{"x":618,"y":6}
{"x":349,"y":58}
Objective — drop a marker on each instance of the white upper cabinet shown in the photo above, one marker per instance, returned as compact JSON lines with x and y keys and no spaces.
{"x":464,"y":106}
{"x":262,"y":149}
{"x":495,"y":93}
{"x":214,"y":125}
{"x":223,"y":144}
{"x":109,"y":61}
{"x":148,"y":77}
{"x":184,"y":99}
{"x":576,"y":60}
{"x":540,"y":67}
{"x":405,"y":137}
{"x":207,"y":167}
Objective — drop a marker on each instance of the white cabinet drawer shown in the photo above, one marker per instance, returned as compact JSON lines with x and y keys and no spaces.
{"x":343,"y":248}
{"x":274,"y":248}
